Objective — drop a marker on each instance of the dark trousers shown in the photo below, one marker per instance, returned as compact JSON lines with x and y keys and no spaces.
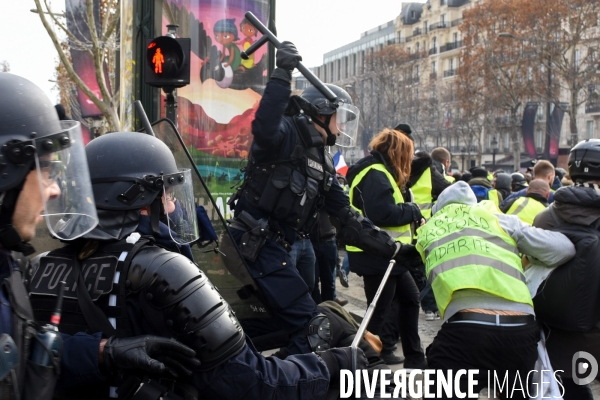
{"x":327,"y":257}
{"x":428,"y":299}
{"x":574,"y":391}
{"x":284,"y":293}
{"x":505,"y":350}
{"x":405,"y":291}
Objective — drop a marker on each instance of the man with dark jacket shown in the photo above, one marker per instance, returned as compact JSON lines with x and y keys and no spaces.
{"x":502,"y":184}
{"x":575,"y":208}
{"x":482,"y":187}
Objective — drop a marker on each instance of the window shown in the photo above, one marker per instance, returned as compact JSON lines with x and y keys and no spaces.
{"x":434,"y":67}
{"x":417,"y":72}
{"x":426,"y":26}
{"x":417,"y":47}
{"x":507,"y":141}
{"x":577,"y":53}
{"x":443,"y":2}
{"x":451,"y":63}
{"x":412,"y":14}
{"x":590,"y":129}
{"x":455,"y":38}
{"x":443,"y":20}
{"x":399,"y":36}
{"x":434,"y":43}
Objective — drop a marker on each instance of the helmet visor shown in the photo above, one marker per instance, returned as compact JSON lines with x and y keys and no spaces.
{"x":180,"y":207}
{"x":62,"y":168}
{"x":347,"y":117}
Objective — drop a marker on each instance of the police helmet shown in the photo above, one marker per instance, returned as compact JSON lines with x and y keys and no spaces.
{"x":347,"y":115}
{"x":133,"y":170}
{"x":324,"y":106}
{"x":584,"y":161}
{"x":518,"y":182}
{"x":126,"y":169}
{"x":26,"y":114}
{"x":33,"y":138}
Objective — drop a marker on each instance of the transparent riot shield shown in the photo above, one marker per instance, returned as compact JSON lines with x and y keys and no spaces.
{"x":221,"y":261}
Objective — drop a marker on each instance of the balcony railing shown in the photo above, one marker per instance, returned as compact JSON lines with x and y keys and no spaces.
{"x":438,"y":25}
{"x":449,"y":72}
{"x":417,"y":31}
{"x":456,"y":22}
{"x":503,"y":121}
{"x":592,"y":108}
{"x":433,"y":50}
{"x":451,"y":46}
{"x":457,"y":3}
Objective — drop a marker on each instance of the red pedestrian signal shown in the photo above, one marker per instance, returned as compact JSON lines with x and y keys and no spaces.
{"x":167,"y":62}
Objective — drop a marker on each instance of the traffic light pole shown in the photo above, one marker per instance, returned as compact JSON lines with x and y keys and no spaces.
{"x":171,"y":104}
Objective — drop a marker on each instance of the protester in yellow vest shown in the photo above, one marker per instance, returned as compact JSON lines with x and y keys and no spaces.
{"x":375,"y":192}
{"x":529,"y":206}
{"x":442,"y":158}
{"x":425,"y":182}
{"x":471,"y":254}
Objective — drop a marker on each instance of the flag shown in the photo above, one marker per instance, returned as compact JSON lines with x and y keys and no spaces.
{"x":340,"y":163}
{"x":448,"y":119}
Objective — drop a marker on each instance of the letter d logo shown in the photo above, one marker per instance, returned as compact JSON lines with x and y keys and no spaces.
{"x":583,"y":363}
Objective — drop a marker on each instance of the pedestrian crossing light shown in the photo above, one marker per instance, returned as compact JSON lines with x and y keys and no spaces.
{"x":167,"y":62}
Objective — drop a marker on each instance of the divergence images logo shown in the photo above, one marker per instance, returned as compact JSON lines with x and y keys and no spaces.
{"x":585,"y":368}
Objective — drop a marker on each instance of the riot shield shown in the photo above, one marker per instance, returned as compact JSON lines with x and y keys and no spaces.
{"x":221,"y":261}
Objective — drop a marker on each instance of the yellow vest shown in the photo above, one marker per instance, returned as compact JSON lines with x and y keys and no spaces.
{"x":494,"y":196}
{"x":449,"y":178}
{"x":422,"y":193}
{"x":464,"y":247}
{"x":526,"y":209}
{"x":399,"y":233}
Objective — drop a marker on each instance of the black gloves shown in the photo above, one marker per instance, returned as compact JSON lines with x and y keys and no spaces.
{"x":150,"y":353}
{"x":341,"y":358}
{"x":405,"y":250}
{"x":287,"y":58}
{"x":416,"y":212}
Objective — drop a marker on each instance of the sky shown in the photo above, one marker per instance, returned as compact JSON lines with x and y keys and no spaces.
{"x":315,"y":26}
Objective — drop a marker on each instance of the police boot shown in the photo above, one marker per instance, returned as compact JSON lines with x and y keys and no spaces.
{"x":390,"y":358}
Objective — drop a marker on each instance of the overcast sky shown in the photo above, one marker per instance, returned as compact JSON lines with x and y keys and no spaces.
{"x":315,"y":26}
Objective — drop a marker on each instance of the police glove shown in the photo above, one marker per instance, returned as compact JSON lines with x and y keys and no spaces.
{"x":341,"y":358}
{"x":416,"y":212}
{"x":153,"y":354}
{"x":404,"y":251}
{"x":286,"y":59}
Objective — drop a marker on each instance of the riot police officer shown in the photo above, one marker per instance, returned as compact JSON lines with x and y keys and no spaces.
{"x":44,"y":175}
{"x":289,"y":178}
{"x":122,"y":283}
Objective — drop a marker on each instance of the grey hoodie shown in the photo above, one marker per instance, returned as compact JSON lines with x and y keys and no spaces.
{"x":542,"y":246}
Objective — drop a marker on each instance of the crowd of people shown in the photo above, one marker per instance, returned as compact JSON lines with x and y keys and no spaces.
{"x":488,"y":253}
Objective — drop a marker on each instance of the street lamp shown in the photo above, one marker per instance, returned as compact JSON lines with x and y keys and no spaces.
{"x":494,"y":151}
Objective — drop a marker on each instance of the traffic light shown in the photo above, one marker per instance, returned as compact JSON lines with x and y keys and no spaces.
{"x":167,"y":62}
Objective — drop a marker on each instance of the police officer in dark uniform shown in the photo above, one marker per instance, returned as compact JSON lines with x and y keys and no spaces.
{"x":290,"y":177}
{"x":44,"y":173}
{"x":134,"y":275}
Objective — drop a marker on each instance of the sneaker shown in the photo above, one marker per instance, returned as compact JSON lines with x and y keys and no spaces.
{"x":343,"y":277}
{"x":390,"y":358}
{"x":341,"y":302}
{"x":430,"y":315}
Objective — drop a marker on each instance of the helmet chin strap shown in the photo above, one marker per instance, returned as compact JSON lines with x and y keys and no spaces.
{"x":331,"y":138}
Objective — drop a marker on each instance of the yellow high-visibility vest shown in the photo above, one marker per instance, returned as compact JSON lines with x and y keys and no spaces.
{"x":399,"y":233}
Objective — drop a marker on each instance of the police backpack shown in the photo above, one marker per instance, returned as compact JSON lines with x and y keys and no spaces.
{"x":569,"y":298}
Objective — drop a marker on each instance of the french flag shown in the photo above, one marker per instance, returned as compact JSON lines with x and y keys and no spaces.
{"x":340,"y":163}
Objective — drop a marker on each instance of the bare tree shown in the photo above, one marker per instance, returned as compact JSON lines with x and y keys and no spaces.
{"x":102,"y":46}
{"x":4,"y":66}
{"x":499,"y":67}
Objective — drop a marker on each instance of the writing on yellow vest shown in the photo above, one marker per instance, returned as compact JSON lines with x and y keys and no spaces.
{"x":422,"y":193}
{"x":399,"y":233}
{"x":526,"y":209}
{"x":464,"y":247}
